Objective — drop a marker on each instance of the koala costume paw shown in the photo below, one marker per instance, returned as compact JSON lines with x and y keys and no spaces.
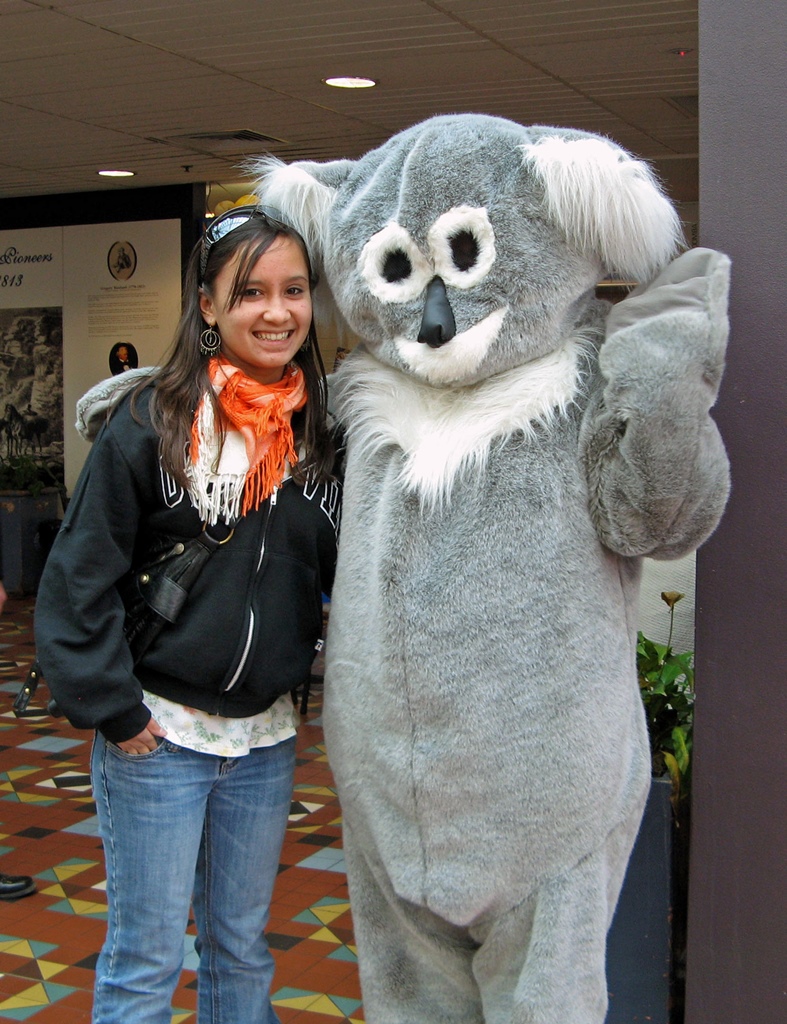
{"x":657,"y":469}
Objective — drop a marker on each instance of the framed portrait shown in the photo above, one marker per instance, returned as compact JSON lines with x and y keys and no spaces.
{"x":122,"y":260}
{"x":123,"y":356}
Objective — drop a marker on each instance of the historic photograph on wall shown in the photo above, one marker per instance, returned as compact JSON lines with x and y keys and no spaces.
{"x":31,"y":386}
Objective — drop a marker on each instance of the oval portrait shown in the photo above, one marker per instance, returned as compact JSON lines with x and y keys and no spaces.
{"x":122,"y":260}
{"x":123,"y":356}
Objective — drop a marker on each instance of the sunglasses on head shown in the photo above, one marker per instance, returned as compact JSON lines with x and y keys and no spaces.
{"x":231,"y":219}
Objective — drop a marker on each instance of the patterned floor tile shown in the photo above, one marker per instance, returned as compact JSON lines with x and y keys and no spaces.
{"x":49,"y":942}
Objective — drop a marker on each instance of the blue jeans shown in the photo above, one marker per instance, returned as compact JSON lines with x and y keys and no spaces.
{"x":178,"y":825}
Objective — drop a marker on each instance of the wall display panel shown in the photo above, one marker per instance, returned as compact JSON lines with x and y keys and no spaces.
{"x":78,"y":304}
{"x":121,"y":288}
{"x":31,"y":345}
{"x":654,"y":616}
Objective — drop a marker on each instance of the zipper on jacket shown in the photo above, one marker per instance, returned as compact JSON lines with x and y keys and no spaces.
{"x":250,"y":632}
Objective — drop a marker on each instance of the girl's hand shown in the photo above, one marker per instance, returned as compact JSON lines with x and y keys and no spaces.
{"x":145,"y":741}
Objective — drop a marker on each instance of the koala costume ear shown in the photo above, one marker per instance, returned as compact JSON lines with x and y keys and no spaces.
{"x":304,"y":192}
{"x":607,"y":203}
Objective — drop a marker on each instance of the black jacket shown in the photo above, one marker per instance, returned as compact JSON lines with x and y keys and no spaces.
{"x":248,"y":631}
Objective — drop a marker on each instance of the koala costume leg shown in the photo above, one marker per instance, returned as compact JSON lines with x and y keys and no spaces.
{"x":541,"y":962}
{"x":544,"y":961}
{"x":415,"y":967}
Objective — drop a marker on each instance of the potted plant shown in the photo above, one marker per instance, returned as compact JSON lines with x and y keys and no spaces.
{"x":31,"y":493}
{"x":666,"y":682}
{"x":647,"y":943}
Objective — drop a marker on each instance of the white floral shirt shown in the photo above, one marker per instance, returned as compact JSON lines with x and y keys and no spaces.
{"x":225,"y":737}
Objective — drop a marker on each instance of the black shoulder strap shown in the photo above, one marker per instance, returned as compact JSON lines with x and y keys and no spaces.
{"x":28,"y":690}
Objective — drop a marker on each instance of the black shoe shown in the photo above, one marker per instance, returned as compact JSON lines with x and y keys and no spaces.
{"x":14,"y":886}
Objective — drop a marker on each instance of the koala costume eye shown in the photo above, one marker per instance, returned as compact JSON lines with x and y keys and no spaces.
{"x":393,"y":266}
{"x":464,"y":249}
{"x":462,"y":244}
{"x":397,"y":266}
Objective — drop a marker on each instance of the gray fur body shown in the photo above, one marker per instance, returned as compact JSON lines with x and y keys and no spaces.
{"x":455,"y":615}
{"x":482,"y":712}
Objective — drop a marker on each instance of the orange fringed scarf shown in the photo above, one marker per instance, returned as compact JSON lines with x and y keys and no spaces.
{"x":260,"y":415}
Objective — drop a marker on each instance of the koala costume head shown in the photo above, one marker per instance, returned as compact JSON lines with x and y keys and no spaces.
{"x":469,"y":244}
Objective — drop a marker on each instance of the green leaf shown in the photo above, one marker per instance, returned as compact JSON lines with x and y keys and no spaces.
{"x":674,"y":774}
{"x":681,"y":749}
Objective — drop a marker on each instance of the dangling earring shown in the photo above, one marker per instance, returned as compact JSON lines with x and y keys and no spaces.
{"x":209,"y":341}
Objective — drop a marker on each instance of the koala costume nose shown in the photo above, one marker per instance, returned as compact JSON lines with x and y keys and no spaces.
{"x":437,"y":324}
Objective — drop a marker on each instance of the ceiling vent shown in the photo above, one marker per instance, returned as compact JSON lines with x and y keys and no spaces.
{"x":239,"y":141}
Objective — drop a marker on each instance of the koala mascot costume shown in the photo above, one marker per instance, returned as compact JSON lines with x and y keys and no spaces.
{"x":514,"y":448}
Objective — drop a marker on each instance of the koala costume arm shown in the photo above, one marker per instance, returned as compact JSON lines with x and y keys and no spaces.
{"x":657,"y":471}
{"x":658,"y":476}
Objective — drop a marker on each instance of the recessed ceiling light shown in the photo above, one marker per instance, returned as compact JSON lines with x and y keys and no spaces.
{"x":117,"y":174}
{"x":350,"y":83}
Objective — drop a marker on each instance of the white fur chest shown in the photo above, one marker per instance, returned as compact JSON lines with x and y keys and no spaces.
{"x":446,"y":434}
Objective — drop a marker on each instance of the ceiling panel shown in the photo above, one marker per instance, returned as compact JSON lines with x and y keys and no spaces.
{"x":539,"y":20}
{"x":88,"y":83}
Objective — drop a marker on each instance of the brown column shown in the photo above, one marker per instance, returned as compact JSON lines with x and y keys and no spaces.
{"x":737,"y":958}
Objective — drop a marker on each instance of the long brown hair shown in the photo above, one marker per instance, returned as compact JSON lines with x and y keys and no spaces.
{"x":182,"y":379}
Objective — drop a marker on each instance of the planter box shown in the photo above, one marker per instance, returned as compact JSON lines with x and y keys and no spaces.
{"x":639,"y":944}
{"x":20,"y":517}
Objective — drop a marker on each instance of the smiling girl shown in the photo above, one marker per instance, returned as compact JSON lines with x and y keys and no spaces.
{"x":195,"y":738}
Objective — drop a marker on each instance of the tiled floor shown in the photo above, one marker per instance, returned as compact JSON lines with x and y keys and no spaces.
{"x":49,"y":941}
